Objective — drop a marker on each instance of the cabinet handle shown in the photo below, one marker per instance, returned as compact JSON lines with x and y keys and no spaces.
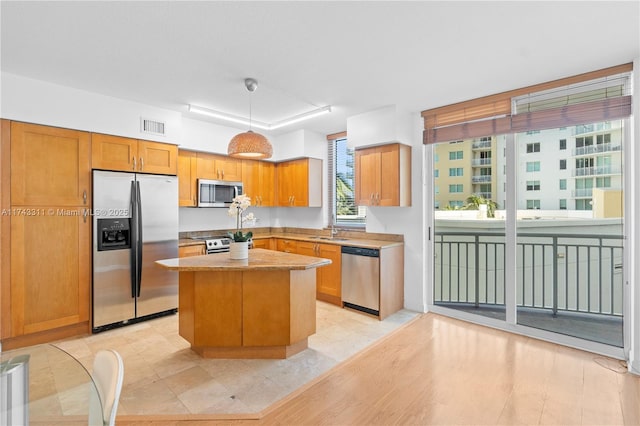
{"x":141,"y":163}
{"x":84,"y":197}
{"x":134,"y":163}
{"x":222,"y":173}
{"x":371,"y":200}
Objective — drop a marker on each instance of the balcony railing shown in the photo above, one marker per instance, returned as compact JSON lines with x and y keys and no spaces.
{"x":596,"y":149}
{"x":481,"y":145}
{"x":481,"y":178}
{"x":481,"y":162}
{"x":595,"y":171}
{"x":582,"y":193}
{"x":561,"y":272}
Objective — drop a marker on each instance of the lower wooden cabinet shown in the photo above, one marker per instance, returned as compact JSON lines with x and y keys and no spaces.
{"x":50,"y":278}
{"x":193,"y":250}
{"x":264,"y":243}
{"x":288,"y":246}
{"x":328,"y":278}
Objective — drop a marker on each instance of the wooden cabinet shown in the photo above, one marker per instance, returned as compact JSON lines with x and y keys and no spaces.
{"x":259,"y":178}
{"x":187,"y":179}
{"x":192,"y":250}
{"x":299,"y":183}
{"x":50,"y":166}
{"x":264,"y":243}
{"x":288,"y":246}
{"x":383,"y":175}
{"x":218,"y":167}
{"x":50,"y":235}
{"x":110,"y":152}
{"x":328,"y":278}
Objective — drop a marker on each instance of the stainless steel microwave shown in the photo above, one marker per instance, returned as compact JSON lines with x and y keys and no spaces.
{"x":217,"y":193}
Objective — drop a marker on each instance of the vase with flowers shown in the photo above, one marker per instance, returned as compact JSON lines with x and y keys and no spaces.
{"x":239,"y":248}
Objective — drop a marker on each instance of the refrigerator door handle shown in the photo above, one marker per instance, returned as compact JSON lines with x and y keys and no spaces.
{"x":134,"y":242}
{"x":139,"y":237}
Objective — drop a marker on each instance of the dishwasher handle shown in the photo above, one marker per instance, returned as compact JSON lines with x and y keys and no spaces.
{"x":361,"y":251}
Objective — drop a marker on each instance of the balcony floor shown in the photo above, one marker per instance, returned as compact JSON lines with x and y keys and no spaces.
{"x":593,"y":327}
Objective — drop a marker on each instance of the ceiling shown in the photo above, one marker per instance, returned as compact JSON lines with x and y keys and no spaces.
{"x":354,"y":56}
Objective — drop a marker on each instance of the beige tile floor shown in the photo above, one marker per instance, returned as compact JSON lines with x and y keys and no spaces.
{"x":163,"y":375}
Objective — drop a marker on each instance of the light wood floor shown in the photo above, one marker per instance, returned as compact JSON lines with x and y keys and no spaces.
{"x":439,"y":370}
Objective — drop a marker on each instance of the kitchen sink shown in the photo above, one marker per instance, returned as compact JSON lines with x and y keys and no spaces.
{"x":329,"y":238}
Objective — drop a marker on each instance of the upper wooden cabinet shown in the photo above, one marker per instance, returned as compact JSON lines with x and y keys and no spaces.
{"x":133,"y":155}
{"x":50,"y":166}
{"x":383,"y":175}
{"x":299,"y":183}
{"x":259,"y":181}
{"x":187,"y":179}
{"x":218,"y":167}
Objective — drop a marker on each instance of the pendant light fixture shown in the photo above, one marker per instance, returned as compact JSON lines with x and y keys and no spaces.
{"x":250,"y":144}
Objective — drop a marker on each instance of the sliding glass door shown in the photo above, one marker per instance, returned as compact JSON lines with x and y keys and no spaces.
{"x":570,"y":231}
{"x":529,"y":221}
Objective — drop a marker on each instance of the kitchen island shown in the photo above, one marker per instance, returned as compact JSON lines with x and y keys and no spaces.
{"x":260,"y":307}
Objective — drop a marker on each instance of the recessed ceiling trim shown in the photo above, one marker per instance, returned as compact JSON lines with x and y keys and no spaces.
{"x":260,"y":125}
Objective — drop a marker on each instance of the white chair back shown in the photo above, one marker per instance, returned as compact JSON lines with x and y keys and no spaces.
{"x":108,"y":374}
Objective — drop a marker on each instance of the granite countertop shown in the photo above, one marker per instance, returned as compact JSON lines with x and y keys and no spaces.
{"x":352,"y":241}
{"x":259,"y":260}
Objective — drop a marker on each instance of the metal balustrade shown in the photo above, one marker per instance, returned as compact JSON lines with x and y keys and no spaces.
{"x":594,"y":171}
{"x":561,"y":272}
{"x":596,"y":149}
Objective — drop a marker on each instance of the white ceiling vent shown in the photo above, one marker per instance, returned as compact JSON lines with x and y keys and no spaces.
{"x":152,"y":126}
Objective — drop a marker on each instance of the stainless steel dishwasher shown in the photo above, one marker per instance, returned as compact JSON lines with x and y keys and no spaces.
{"x":361,"y":279}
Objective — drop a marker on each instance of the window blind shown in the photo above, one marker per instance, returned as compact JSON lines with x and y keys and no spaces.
{"x":594,"y":92}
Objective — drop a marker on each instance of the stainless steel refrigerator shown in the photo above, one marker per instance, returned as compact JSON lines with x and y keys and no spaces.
{"x":135,"y":223}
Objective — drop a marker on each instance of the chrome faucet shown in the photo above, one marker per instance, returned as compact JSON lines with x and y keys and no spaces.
{"x":334,"y":231}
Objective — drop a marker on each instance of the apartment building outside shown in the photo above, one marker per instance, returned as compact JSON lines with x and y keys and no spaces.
{"x":567,"y":168}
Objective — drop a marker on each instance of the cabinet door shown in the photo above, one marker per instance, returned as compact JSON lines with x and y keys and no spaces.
{"x":284,"y":172}
{"x":228,"y":168}
{"x":389,"y":192}
{"x":50,"y":272}
{"x":187,"y":181}
{"x":307,"y":248}
{"x":158,"y":158}
{"x":194,"y":250}
{"x":329,"y":281}
{"x":367,"y":176}
{"x":114,"y":153}
{"x":287,"y":246}
{"x":300,"y":188}
{"x":206,"y":166}
{"x":267,"y":192}
{"x":263,"y":243}
{"x":49,"y":166}
{"x":251,"y":180}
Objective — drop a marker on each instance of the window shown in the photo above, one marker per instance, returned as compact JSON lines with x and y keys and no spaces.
{"x":342,"y":205}
{"x":533,"y":204}
{"x":456,"y":188}
{"x":603,"y":182}
{"x":436,"y":158}
{"x":533,"y":147}
{"x":533,"y":166}
{"x":437,"y":189}
{"x":455,"y":171}
{"x":584,"y":141}
{"x":563,"y":203}
{"x":563,"y":164}
{"x":563,"y":144}
{"x":436,"y":173}
{"x":583,"y":204}
{"x":606,"y":138}
{"x":563,"y":184}
{"x":533,"y":185}
{"x":456,"y":204}
{"x":456,"y":155}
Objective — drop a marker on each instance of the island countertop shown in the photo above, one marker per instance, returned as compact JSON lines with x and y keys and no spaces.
{"x":259,"y":260}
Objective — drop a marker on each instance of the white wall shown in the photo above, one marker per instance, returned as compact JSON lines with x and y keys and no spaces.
{"x":407,"y":221}
{"x":35,"y":101}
